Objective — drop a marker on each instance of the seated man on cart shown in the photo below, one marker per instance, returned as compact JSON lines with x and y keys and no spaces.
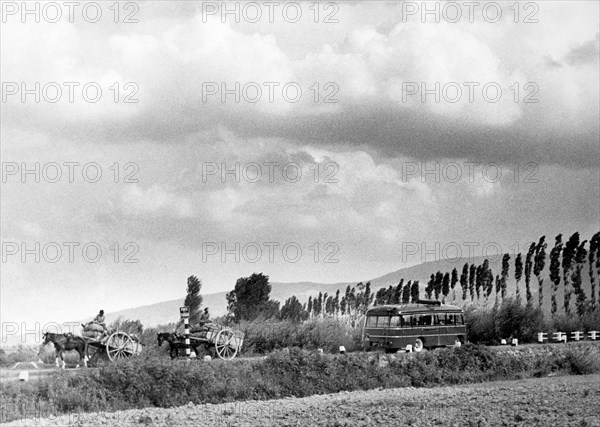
{"x":202,"y":322}
{"x":204,"y":317}
{"x":99,"y":320}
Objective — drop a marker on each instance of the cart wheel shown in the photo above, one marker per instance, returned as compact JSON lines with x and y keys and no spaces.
{"x":120,"y":346}
{"x":226,"y":344}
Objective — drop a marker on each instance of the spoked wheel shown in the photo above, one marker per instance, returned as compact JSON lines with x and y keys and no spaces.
{"x":226,"y":344}
{"x":120,"y":346}
{"x":418,"y":345}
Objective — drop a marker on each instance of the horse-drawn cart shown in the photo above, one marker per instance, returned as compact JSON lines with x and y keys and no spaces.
{"x":216,"y":340}
{"x":93,"y":346}
{"x":114,"y":346}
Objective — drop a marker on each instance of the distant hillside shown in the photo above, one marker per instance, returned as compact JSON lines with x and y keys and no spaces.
{"x":168,"y":311}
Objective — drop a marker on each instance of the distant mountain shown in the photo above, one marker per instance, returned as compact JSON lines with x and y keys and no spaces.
{"x":168,"y":311}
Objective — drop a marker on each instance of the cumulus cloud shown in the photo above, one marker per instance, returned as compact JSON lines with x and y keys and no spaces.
{"x":376,"y":73}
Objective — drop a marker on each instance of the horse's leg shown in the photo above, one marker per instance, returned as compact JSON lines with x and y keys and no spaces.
{"x":58,"y":357}
{"x":39,"y":355}
{"x":78,"y":350}
{"x":85,"y":357}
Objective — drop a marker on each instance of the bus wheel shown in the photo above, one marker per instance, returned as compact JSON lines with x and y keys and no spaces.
{"x":418,"y":345}
{"x":457,"y":342}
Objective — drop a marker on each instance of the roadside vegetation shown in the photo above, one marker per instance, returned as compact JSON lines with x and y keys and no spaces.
{"x":152,"y":381}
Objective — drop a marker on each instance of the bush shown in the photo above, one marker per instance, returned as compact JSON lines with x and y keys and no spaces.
{"x":582,"y":362}
{"x":523,"y":322}
{"x":510,"y":320}
{"x":262,"y":336}
{"x":480,"y":326}
{"x":588,"y":322}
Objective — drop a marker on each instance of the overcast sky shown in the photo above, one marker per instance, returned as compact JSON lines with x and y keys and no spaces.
{"x":504,"y":167}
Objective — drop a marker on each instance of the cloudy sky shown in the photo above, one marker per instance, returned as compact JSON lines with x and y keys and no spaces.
{"x":355,"y":132}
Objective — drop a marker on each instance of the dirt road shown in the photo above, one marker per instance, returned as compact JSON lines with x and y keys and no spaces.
{"x":553,"y":401}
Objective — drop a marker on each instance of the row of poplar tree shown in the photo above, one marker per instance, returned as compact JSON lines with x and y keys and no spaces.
{"x":479,"y":281}
{"x":565,"y":266}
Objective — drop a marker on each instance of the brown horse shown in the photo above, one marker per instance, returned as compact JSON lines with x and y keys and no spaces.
{"x":66,"y":342}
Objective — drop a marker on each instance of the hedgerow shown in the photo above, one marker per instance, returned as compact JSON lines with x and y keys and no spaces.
{"x":161,"y":382}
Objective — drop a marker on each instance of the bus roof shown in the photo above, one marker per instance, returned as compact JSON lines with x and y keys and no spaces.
{"x":396,"y":309}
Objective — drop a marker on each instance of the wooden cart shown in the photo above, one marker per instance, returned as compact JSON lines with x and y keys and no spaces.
{"x":114,"y":346}
{"x":226,"y":342}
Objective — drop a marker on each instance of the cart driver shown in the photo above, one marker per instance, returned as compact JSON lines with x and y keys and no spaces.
{"x":99,"y":319}
{"x":204,"y":317}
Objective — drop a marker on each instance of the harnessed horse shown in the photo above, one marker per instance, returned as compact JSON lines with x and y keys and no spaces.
{"x":66,"y":342}
{"x":175,"y":343}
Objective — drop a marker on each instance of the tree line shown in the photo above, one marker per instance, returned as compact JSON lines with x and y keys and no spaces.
{"x":250,"y":297}
{"x":478,"y":282}
{"x":566,"y":263}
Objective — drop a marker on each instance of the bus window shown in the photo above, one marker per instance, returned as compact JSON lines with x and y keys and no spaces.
{"x":436,"y":319}
{"x":425,"y":320}
{"x":372,"y":321}
{"x":383,"y":321}
{"x":395,"y":322}
{"x":406,"y":321}
{"x":462,"y":320}
{"x":450,"y":319}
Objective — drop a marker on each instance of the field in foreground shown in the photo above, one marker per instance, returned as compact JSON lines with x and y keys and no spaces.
{"x":558,"y":401}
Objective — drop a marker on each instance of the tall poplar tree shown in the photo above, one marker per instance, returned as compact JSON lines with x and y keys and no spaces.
{"x":538,"y":267}
{"x":555,"y":271}
{"x":568,"y":256}
{"x":504,"y":274}
{"x":528,"y":267}
{"x":464,"y":281}
{"x":518,"y":274}
{"x":577,"y":285}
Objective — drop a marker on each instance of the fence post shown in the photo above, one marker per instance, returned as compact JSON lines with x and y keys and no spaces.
{"x":184,"y":312}
{"x":560,"y":337}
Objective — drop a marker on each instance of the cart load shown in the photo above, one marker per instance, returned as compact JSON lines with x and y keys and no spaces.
{"x":92,"y":331}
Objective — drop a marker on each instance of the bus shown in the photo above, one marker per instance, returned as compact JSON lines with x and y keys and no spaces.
{"x":422,"y":324}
